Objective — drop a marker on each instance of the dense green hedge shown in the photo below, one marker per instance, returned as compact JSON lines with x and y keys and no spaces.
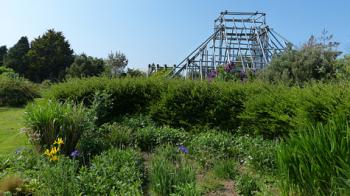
{"x":16,"y":91}
{"x":253,"y":107}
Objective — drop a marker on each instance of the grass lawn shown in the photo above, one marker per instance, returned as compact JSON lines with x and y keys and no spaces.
{"x":11,"y":120}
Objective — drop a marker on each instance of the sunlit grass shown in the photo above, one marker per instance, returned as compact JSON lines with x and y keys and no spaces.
{"x":11,"y":120}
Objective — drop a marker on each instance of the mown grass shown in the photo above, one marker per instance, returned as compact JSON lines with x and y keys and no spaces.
{"x":11,"y":120}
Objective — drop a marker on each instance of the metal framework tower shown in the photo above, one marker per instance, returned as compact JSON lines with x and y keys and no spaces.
{"x":242,"y":38}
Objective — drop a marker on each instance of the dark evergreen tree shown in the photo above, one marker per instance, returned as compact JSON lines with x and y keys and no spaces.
{"x":3,"y":52}
{"x":16,"y":56}
{"x":49,"y":57}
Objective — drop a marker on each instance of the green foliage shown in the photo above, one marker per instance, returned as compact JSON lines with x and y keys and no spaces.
{"x":172,"y":176}
{"x":3,"y":52}
{"x":16,"y":57}
{"x":115,"y":64}
{"x":49,"y":56}
{"x":150,"y":137}
{"x":48,"y":120}
{"x":16,"y":91}
{"x":314,"y":61}
{"x":207,"y":147}
{"x":271,"y":113}
{"x":316,"y":160}
{"x":85,"y":66}
{"x":135,"y":73}
{"x":8,"y":72}
{"x":321,"y":102}
{"x":93,"y":142}
{"x":124,"y":96}
{"x":186,"y":104}
{"x":256,"y":152}
{"x":247,"y":185}
{"x":116,"y":172}
{"x":59,"y":178}
{"x":226,"y":169}
{"x":343,"y":68}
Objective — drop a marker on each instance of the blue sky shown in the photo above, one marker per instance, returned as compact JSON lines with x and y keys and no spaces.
{"x":162,"y":31}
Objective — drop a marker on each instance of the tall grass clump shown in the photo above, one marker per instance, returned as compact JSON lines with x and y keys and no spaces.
{"x":316,"y":160}
{"x":46,"y":120}
{"x":16,"y":91}
{"x":171,"y":173}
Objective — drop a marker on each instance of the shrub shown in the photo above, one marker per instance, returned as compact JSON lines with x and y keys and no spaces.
{"x":171,"y":176}
{"x":186,"y":104}
{"x":48,"y":120}
{"x":149,"y":137}
{"x":316,"y":160}
{"x":16,"y":91}
{"x":113,"y":172}
{"x":229,"y":105}
{"x":207,"y":147}
{"x":272,"y":113}
{"x":125,"y":96}
{"x":59,"y":178}
{"x":109,"y":135}
{"x":321,"y":101}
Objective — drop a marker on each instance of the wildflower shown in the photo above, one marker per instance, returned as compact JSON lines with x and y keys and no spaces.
{"x":59,"y":141}
{"x":75,"y":154}
{"x":54,"y":158}
{"x":54,"y":150}
{"x":47,"y":152}
{"x":184,"y":149}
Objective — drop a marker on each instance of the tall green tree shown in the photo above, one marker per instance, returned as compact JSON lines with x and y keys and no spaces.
{"x":116,"y":63}
{"x":49,"y":57}
{"x":85,"y":66}
{"x":315,"y":60}
{"x":3,"y":52}
{"x":16,"y":56}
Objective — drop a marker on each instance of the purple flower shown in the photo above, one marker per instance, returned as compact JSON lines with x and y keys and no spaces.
{"x":183,"y":149}
{"x":228,"y":67}
{"x":75,"y":154}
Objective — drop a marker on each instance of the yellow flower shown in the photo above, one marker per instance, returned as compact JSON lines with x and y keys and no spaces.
{"x":59,"y":141}
{"x":54,"y":158}
{"x":47,"y":152}
{"x":54,"y":150}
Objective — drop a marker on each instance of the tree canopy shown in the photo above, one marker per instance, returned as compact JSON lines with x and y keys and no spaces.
{"x":16,"y":56}
{"x":49,"y":56}
{"x":84,"y":66}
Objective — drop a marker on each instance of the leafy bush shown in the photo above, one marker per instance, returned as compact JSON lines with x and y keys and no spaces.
{"x":185,"y":105}
{"x":48,"y":120}
{"x":316,"y":160}
{"x":16,"y":91}
{"x":149,"y":137}
{"x":271,"y":113}
{"x":115,"y":171}
{"x":321,"y":101}
{"x":171,"y":176}
{"x":207,"y":147}
{"x":95,"y":141}
{"x":314,"y":61}
{"x":59,"y":178}
{"x":127,"y":96}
